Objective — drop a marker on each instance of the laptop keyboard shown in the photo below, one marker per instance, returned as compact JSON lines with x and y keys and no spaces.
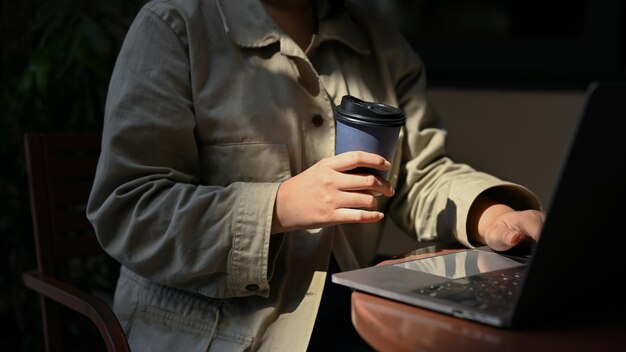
{"x":492,"y":291}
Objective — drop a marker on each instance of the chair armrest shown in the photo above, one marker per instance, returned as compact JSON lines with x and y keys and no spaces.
{"x":88,"y":305}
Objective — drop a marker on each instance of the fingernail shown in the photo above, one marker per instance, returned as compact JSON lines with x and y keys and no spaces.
{"x":514,"y":238}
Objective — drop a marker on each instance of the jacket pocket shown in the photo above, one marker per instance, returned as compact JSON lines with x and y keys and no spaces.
{"x":223,"y":164}
{"x":159,"y":329}
{"x":161,"y":318}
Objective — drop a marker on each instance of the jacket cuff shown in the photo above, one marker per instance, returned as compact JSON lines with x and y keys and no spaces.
{"x":248,"y":259}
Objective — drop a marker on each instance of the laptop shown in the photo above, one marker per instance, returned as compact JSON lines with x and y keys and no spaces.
{"x":572,"y":275}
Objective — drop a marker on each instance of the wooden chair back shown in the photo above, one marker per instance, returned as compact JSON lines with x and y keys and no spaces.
{"x":61,"y":169}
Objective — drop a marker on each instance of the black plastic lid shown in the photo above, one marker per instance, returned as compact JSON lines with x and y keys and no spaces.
{"x":356,"y":111}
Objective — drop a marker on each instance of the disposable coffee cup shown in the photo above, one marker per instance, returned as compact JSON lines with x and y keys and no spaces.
{"x":369,"y":127}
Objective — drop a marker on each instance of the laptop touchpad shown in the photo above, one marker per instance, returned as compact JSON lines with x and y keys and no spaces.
{"x":460,"y":264}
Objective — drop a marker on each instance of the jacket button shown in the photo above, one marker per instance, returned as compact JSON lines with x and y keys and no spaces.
{"x":317,"y":120}
{"x":252,"y":287}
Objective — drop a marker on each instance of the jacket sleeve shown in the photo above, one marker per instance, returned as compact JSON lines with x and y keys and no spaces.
{"x":434,"y":194}
{"x":148,"y":206}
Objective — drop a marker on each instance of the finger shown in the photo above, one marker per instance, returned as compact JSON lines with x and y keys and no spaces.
{"x":511,"y":239}
{"x":356,"y":200}
{"x":504,"y":240}
{"x":502,"y":236}
{"x":532,"y":223}
{"x":345,"y":215}
{"x":514,"y":227}
{"x":350,"y":160}
{"x":362,"y":182}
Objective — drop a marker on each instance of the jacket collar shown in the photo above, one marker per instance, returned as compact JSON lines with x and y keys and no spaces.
{"x":248,"y":24}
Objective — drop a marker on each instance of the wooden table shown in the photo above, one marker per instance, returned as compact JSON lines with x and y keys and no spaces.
{"x":393,"y":326}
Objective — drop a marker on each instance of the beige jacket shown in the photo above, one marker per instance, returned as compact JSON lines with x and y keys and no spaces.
{"x":210,"y":107}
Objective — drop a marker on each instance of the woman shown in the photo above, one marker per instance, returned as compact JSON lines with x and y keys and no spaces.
{"x":218,"y":189}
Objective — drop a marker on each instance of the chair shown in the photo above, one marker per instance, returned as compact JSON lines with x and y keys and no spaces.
{"x":61,"y":169}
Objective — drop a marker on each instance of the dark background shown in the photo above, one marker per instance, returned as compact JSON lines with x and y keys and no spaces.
{"x":520,"y":44}
{"x":56,"y":57}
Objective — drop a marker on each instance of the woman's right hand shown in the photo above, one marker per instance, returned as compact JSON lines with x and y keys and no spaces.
{"x":325,"y":195}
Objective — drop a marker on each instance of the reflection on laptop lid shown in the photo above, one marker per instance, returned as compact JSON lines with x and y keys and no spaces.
{"x":573,"y":269}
